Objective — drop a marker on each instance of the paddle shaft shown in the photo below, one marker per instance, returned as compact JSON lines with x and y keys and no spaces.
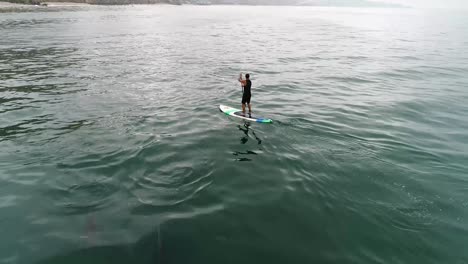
{"x":240,"y":80}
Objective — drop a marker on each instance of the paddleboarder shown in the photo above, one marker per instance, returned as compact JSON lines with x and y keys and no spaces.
{"x":246,"y":87}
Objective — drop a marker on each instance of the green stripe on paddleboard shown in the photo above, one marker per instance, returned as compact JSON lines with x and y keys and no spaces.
{"x":228,"y":112}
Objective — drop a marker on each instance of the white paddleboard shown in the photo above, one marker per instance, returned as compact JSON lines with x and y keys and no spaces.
{"x":238,"y":113}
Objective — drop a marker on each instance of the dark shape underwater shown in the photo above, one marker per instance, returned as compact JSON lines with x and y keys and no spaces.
{"x":145,"y":250}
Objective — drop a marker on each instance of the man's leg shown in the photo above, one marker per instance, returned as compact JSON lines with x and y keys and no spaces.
{"x":250,"y":109}
{"x":243,"y":108}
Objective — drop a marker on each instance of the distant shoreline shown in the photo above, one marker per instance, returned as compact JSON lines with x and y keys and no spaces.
{"x":21,"y":5}
{"x":44,"y":4}
{"x":66,"y":3}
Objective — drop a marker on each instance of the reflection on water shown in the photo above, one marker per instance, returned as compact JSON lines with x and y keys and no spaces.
{"x":248,"y":133}
{"x":246,"y":128}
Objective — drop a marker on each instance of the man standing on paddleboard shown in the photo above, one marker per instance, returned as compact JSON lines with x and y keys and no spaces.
{"x":246,"y":86}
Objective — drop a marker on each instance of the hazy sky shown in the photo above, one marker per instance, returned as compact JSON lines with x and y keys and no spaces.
{"x":431,"y":3}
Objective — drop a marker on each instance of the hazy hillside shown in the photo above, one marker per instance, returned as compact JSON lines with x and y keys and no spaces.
{"x":360,"y":3}
{"x":294,"y":2}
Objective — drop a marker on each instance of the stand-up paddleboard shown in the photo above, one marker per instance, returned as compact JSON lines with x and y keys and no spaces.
{"x":238,"y":113}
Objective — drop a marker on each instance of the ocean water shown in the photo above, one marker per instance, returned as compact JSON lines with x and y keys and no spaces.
{"x":113,"y":150}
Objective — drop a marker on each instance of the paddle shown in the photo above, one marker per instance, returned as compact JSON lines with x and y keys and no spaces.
{"x":240,"y":80}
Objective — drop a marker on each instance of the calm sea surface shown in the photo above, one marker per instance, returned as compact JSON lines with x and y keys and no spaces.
{"x":113,"y":150}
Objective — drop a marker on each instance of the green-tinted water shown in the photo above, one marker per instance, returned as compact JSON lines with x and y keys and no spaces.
{"x":113,"y":149}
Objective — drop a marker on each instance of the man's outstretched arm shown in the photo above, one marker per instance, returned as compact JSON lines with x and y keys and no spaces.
{"x":240,"y":80}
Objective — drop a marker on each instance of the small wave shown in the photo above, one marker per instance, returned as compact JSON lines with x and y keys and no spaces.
{"x":453,"y":72}
{"x":28,"y":23}
{"x":356,"y":57}
{"x":350,"y":79}
{"x":82,"y":198}
{"x":407,"y":58}
{"x":170,"y":190}
{"x":24,"y":127}
{"x":37,"y":125}
{"x":409,"y":74}
{"x":301,"y":59}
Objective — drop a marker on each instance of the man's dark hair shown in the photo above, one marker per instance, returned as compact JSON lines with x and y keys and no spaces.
{"x":247,"y":76}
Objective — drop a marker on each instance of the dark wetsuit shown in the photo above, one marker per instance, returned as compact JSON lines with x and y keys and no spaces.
{"x":246,"y":96}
